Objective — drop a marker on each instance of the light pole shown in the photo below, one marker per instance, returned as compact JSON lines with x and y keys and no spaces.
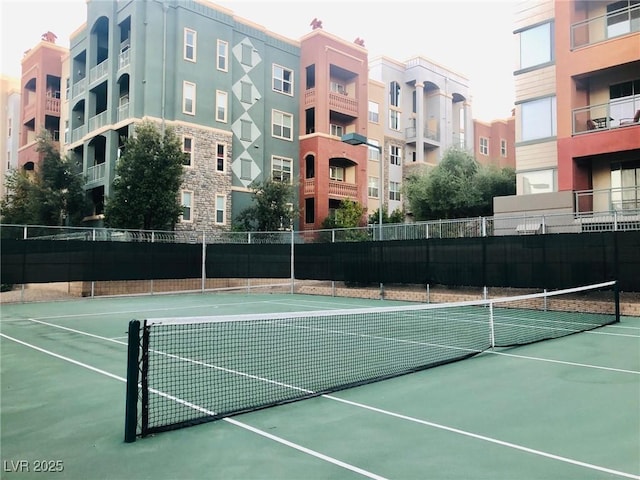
{"x":357,"y":139}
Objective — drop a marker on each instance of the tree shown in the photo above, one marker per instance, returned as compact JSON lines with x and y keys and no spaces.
{"x":397,"y":216}
{"x":349,"y":215}
{"x":271,"y":210}
{"x":148,"y":179}
{"x":458,"y":187}
{"x":50,"y":195}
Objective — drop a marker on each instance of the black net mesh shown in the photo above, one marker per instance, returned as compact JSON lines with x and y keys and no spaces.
{"x":201,"y":369}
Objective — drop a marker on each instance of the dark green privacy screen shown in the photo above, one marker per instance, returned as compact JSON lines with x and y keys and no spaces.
{"x":536,"y":261}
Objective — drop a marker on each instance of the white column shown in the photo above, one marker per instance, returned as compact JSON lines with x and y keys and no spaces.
{"x":420,"y":122}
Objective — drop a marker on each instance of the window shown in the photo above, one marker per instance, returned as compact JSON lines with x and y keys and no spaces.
{"x":503,"y":147}
{"x":246,"y":92}
{"x":337,"y":130}
{"x":223,"y":54}
{"x":281,"y":169}
{"x":625,"y":185}
{"x":245,"y":168}
{"x":622,"y":18}
{"x":281,"y":125}
{"x":187,"y":148}
{"x":394,"y":120}
{"x":247,"y":52}
{"x":336,"y":173}
{"x":282,"y":80}
{"x":624,"y":99}
{"x":187,"y":206}
{"x":338,"y":87}
{"x":540,"y":181}
{"x":221,"y":106}
{"x":220,"y":156}
{"x":190,"y":37}
{"x":220,"y":208}
{"x":374,"y":152}
{"x":373,"y":187}
{"x":395,"y":155}
{"x":539,"y":119}
{"x":394,"y":191}
{"x":394,"y":94}
{"x":484,"y":146}
{"x":245,"y":130}
{"x":536,"y":46}
{"x":373,"y":112}
{"x":189,"y":98}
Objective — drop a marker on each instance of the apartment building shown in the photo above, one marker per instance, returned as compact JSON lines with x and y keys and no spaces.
{"x":40,"y":98}
{"x":9,"y":126}
{"x":577,"y":107}
{"x":333,"y":92}
{"x":494,"y":142}
{"x":225,"y":85}
{"x":425,"y":109}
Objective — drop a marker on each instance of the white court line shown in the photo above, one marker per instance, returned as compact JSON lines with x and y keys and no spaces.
{"x":469,"y":434}
{"x":270,"y":436}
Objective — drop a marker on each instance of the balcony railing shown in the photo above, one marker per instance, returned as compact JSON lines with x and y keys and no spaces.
{"x":309,"y":186}
{"x":98,"y":121}
{"x":78,"y":133}
{"x":342,"y":189}
{"x":52,"y":105}
{"x":428,"y":133}
{"x":124,"y":59}
{"x":607,"y":200}
{"x":99,"y":71}
{"x":96,"y":173}
{"x":123,"y":112}
{"x":343,"y":103}
{"x":603,"y":27}
{"x":605,"y":116}
{"x":79,"y":88}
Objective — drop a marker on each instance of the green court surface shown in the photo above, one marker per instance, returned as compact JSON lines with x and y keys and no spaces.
{"x":561,"y":409}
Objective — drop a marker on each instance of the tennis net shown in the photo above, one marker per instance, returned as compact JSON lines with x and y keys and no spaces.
{"x":189,"y":370}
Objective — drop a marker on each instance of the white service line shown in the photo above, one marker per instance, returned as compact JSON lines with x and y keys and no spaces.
{"x":270,"y":436}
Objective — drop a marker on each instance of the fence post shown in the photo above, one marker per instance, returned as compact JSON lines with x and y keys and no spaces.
{"x":204,"y":261}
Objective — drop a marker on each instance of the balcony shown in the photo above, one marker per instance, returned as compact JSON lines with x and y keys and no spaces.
{"x":96,"y":173}
{"x":341,"y":102}
{"x":79,"y":88}
{"x":309,"y":97}
{"x":619,"y":113}
{"x":603,"y":27}
{"x":98,"y":121}
{"x":309,"y":186}
{"x":99,"y":71}
{"x":342,"y":189}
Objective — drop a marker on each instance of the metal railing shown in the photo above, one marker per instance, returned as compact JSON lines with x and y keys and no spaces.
{"x":601,"y":116}
{"x":98,"y":121}
{"x":524,"y":224}
{"x":603,"y":27}
{"x":99,"y":71}
{"x":96,"y":172}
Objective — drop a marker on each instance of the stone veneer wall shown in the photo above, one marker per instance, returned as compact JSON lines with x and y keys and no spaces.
{"x":203,"y":179}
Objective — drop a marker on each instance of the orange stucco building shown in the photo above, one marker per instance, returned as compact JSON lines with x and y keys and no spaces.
{"x":494,"y":142}
{"x":40,"y":85}
{"x":334,"y":80}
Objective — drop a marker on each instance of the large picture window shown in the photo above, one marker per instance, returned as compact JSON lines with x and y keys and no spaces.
{"x":536,"y":45}
{"x":539,"y":119}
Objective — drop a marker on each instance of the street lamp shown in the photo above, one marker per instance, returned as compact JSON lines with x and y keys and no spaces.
{"x":357,"y":139}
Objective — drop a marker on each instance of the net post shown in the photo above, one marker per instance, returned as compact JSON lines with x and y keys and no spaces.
{"x":491,"y":327}
{"x":144,"y":381}
{"x":131,"y":409}
{"x":616,"y":300}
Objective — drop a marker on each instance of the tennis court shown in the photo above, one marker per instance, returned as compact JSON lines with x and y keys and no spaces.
{"x":567,"y":408}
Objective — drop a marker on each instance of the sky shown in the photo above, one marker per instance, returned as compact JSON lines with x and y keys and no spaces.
{"x":471,"y":37}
